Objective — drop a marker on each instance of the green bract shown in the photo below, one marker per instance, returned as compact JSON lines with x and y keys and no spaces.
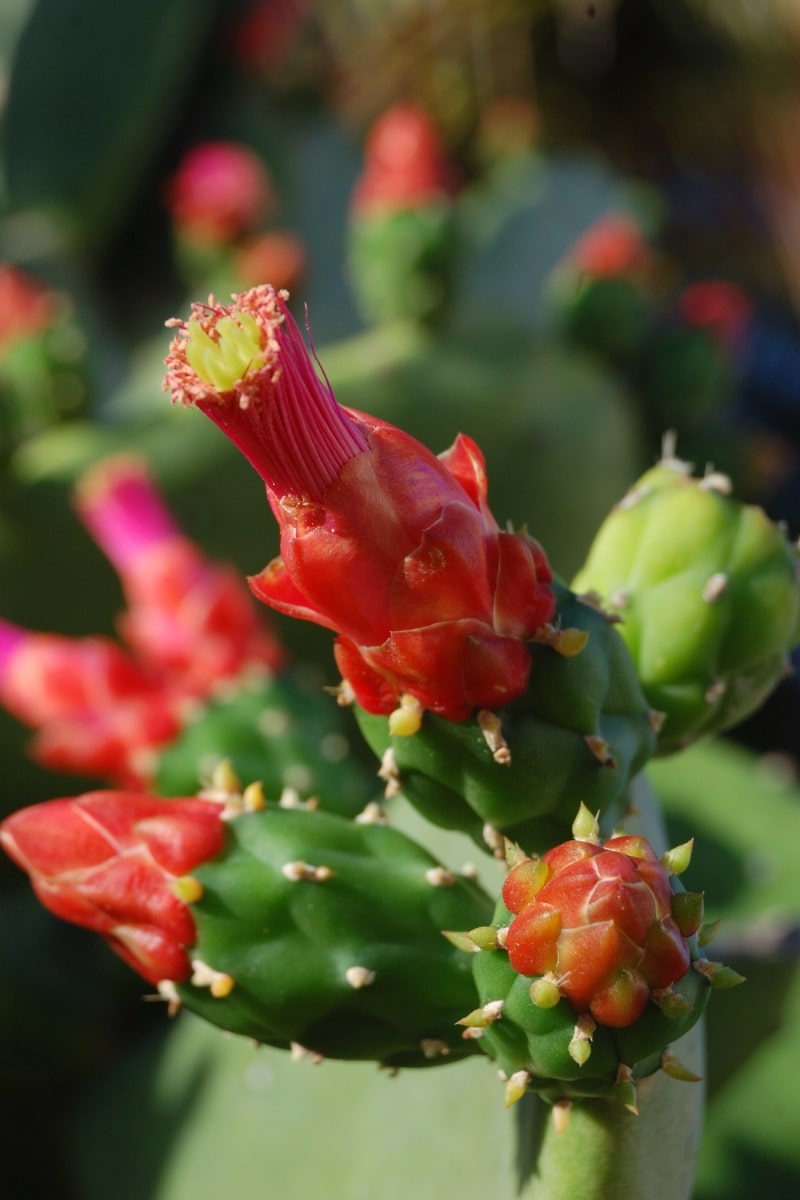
{"x":325,"y":933}
{"x":708,"y":595}
{"x":580,"y":733}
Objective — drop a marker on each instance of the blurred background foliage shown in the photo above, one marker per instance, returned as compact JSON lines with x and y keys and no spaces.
{"x":605,"y":246}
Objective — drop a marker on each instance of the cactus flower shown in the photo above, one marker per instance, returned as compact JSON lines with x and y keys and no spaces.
{"x":111,"y":862}
{"x":189,"y":619}
{"x":595,"y":923}
{"x":381,"y":541}
{"x":220,"y":191}
{"x":96,"y":711}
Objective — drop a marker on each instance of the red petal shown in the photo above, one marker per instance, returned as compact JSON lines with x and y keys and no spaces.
{"x":532,"y":940}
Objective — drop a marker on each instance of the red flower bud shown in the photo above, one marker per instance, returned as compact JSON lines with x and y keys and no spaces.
{"x":108,"y":861}
{"x":597,"y":920}
{"x":405,"y":164}
{"x":393,"y":548}
{"x":191,"y":620}
{"x":96,"y":711}
{"x":614,"y":246}
{"x":26,"y":306}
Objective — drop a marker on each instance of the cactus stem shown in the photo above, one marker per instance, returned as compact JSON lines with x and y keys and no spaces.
{"x":600,"y":749}
{"x":434,"y":1048}
{"x":359,"y":977}
{"x":302,"y":871}
{"x":715,"y":587}
{"x":406,"y":720}
{"x":492,"y":730}
{"x":390,"y":773}
{"x":677,"y":860}
{"x":218,"y":983}
{"x":440,"y":877}
{"x":516,"y":1087}
{"x":586,"y":826}
{"x":672,"y":1066}
{"x":188,"y":889}
{"x":560,"y":1114}
{"x":717,"y":974}
{"x":373,"y":814}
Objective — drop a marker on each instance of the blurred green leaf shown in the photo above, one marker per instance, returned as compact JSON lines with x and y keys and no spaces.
{"x":96,"y":89}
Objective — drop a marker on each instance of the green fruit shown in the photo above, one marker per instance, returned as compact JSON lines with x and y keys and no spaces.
{"x":322,"y":933}
{"x":707,"y":592}
{"x":580,"y":733}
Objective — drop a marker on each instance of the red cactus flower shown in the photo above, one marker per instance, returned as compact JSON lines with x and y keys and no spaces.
{"x":721,"y":308}
{"x":109,"y":861}
{"x":596,"y":922}
{"x":96,"y":711}
{"x":405,"y":164}
{"x":381,"y":541}
{"x":191,"y":620}
{"x":220,"y":191}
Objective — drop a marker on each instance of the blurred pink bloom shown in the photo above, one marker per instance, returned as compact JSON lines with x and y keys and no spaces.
{"x":193,"y":622}
{"x":405,"y":163}
{"x":220,"y":191}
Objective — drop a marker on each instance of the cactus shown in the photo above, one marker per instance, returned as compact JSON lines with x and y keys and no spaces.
{"x":289,"y":925}
{"x":283,"y":731}
{"x":706,"y":589}
{"x":582,"y":730}
{"x":591,"y":968}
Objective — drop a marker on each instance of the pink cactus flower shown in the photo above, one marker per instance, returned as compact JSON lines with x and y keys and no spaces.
{"x":190,"y":620}
{"x":95,"y":710}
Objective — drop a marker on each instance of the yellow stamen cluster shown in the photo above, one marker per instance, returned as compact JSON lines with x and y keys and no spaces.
{"x":223,"y":362}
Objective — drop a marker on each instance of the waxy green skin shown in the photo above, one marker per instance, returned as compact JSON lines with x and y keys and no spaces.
{"x":280,"y":730}
{"x":447,"y":770}
{"x":288,"y":944}
{"x":534,"y":1039}
{"x":706,"y":655}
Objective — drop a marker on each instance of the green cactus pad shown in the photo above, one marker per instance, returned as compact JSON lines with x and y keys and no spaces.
{"x":708,"y":595}
{"x":282,"y":730}
{"x":448,"y":771}
{"x":530,"y":1038}
{"x":329,"y":931}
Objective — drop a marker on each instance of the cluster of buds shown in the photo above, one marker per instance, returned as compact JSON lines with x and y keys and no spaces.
{"x":106,"y":710}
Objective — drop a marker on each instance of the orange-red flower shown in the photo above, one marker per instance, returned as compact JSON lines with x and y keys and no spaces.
{"x":381,"y":541}
{"x":109,"y":861}
{"x":596,"y":922}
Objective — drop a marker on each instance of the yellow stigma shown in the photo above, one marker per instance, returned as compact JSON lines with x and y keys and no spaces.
{"x":225,"y":362}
